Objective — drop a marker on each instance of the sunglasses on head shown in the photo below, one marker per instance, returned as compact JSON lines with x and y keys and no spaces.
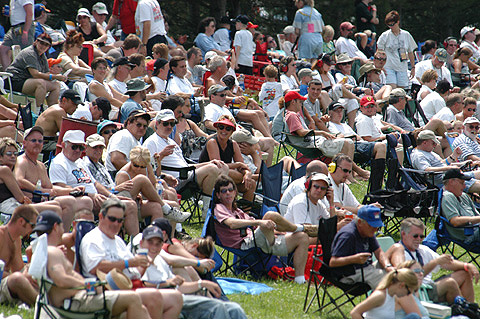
{"x":115,"y":219}
{"x":140,"y":125}
{"x":418,"y":235}
{"x":78,"y":147}
{"x":34,"y":140}
{"x":225,"y":190}
{"x":391,"y":24}
{"x":138,"y":166}
{"x":224,"y":127}
{"x":11,"y":153}
{"x":113,"y":131}
{"x":323,"y":188}
{"x":172,"y":124}
{"x":473,"y":126}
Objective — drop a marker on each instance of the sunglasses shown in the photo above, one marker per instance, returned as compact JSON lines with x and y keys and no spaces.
{"x":140,"y":125}
{"x":348,"y":171}
{"x":113,"y":131}
{"x":369,"y":106}
{"x":138,"y":166}
{"x":391,"y":24}
{"x":474,"y":126}
{"x":225,"y":190}
{"x":418,"y":271}
{"x":417,"y":235}
{"x":224,"y":127}
{"x":172,"y":124}
{"x":78,"y":147}
{"x":471,"y":110}
{"x":381,"y":59}
{"x":11,"y":153}
{"x":34,"y":140}
{"x":221,"y":95}
{"x":29,"y":222}
{"x":115,"y":219}
{"x":323,"y":188}
{"x":82,"y":17}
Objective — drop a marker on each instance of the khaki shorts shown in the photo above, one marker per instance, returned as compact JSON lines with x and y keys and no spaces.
{"x":5,"y":296}
{"x":82,"y":302}
{"x":279,"y":247}
{"x":330,"y":148}
{"x":14,"y":36}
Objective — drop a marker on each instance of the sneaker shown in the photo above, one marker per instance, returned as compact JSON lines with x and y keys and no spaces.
{"x":310,"y":230}
{"x":176,"y":215}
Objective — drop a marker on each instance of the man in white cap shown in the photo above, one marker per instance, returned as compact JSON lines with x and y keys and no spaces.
{"x":467,"y":141}
{"x":66,"y":170}
{"x":99,"y":15}
{"x":290,"y":38}
{"x":436,"y":63}
{"x":467,"y":35}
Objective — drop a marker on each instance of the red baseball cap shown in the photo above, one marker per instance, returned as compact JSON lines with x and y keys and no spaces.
{"x":346,"y":26}
{"x":251,"y":25}
{"x":367,"y":100}
{"x":293,"y":95}
{"x":225,"y":121}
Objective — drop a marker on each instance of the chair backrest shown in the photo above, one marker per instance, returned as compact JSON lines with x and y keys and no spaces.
{"x":82,"y":228}
{"x":271,"y":178}
{"x":75,"y":124}
{"x":327,"y":229}
{"x":296,"y":173}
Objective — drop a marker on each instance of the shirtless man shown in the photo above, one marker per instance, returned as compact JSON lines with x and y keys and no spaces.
{"x":16,"y":285}
{"x":28,"y":171}
{"x":51,"y":119}
{"x":61,"y":272}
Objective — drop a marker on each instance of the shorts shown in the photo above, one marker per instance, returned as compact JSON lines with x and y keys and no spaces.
{"x":154,"y":40}
{"x":349,"y":104}
{"x":82,"y":302}
{"x":14,"y":36}
{"x":433,"y":292}
{"x":372,"y":275}
{"x":363,"y":151}
{"x":330,"y":148}
{"x":182,"y":183}
{"x":245,"y":69}
{"x":399,"y":78}
{"x":17,"y":86}
{"x":5,"y":296}
{"x":9,"y":205}
{"x":310,"y":45}
{"x":279,"y":247}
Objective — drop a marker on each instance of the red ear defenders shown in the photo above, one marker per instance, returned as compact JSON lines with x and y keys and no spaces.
{"x":308,"y":182}
{"x":284,"y":64}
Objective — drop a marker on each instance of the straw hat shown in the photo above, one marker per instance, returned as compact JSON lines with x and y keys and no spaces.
{"x":116,"y":280}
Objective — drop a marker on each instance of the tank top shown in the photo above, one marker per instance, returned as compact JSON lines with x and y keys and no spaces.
{"x":385,"y":311}
{"x":226,"y":155}
{"x":5,"y":193}
{"x":93,"y":34}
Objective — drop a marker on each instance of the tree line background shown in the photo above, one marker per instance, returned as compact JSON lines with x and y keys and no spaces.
{"x":434,"y":20}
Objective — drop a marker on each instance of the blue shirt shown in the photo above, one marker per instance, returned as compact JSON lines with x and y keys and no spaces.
{"x":206,"y":43}
{"x":127,"y":107}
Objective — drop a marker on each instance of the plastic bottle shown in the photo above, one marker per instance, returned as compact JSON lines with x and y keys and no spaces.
{"x":160,"y":188}
{"x":241,"y":81}
{"x":38,"y":186}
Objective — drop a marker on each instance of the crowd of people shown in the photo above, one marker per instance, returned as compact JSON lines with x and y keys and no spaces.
{"x":170,"y":118}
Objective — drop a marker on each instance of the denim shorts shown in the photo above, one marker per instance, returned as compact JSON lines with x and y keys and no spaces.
{"x":400,"y":78}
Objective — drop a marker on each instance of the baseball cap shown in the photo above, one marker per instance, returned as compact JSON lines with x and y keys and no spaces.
{"x":95,"y":140}
{"x":427,"y":135}
{"x":46,"y":220}
{"x":471,"y":120}
{"x":399,"y":92}
{"x":39,"y":8}
{"x":293,"y":95}
{"x":371,"y":214}
{"x":242,"y":18}
{"x":304,"y":72}
{"x":136,"y":85}
{"x":319,"y":177}
{"x":466,"y":29}
{"x":455,"y":173}
{"x":346,"y":26}
{"x":72,"y":95}
{"x":123,"y":61}
{"x":225,"y":121}
{"x":224,"y":20}
{"x":140,"y":113}
{"x":83,"y":12}
{"x":164,"y":225}
{"x":367,"y":100}
{"x":243,"y":135}
{"x":289,"y":29}
{"x":441,"y":55}
{"x":52,"y":62}
{"x":216,"y":88}
{"x":31,"y":130}
{"x":74,"y":136}
{"x":158,"y":64}
{"x":100,"y":8}
{"x":152,"y":232}
{"x":335,"y":105}
{"x":104,"y":124}
{"x":165,"y":115}
{"x":251,"y":25}
{"x":210,"y":55}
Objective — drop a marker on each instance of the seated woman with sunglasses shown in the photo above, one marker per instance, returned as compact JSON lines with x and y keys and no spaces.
{"x":31,"y":74}
{"x":221,"y":147}
{"x":381,"y":303}
{"x":139,"y":168}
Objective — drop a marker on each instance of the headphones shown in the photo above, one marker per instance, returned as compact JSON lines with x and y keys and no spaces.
{"x":445,"y":42}
{"x":284,"y":64}
{"x":308,"y":182}
{"x":332,"y":167}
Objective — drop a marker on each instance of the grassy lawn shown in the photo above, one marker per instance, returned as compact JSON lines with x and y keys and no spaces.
{"x":284,"y":302}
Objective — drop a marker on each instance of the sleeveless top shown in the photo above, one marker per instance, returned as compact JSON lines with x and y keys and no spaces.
{"x":93,"y":35}
{"x":385,"y":311}
{"x":5,"y":193}
{"x":226,"y":155}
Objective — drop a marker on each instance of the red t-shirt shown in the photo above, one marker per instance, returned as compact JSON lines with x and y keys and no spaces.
{"x":229,"y":237}
{"x":127,"y":14}
{"x":293,"y":121}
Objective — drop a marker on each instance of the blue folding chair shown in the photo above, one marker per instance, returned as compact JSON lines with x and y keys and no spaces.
{"x":271,"y":187}
{"x":82,"y":228}
{"x":296,"y":173}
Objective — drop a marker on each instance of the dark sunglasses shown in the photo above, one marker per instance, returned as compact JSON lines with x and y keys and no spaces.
{"x":82,"y":17}
{"x":138,"y":166}
{"x":471,"y":110}
{"x":113,"y":131}
{"x":11,"y":153}
{"x":418,"y":271}
{"x":417,"y":235}
{"x":474,"y":126}
{"x":140,"y":125}
{"x":224,"y":127}
{"x":78,"y":147}
{"x":345,"y":170}
{"x":391,"y":24}
{"x":225,"y":190}
{"x":323,"y":188}
{"x":115,"y":219}
{"x":381,"y":59}
{"x":29,"y":222}
{"x":346,"y":63}
{"x":34,"y":140}
{"x":221,"y":95}
{"x":172,"y":124}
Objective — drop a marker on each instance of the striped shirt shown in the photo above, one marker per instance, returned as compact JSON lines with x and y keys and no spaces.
{"x":467,"y":145}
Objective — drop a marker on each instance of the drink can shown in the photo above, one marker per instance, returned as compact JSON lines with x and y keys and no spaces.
{"x":348,"y":215}
{"x":6,"y":10}
{"x":90,"y":286}
{"x":142,"y":251}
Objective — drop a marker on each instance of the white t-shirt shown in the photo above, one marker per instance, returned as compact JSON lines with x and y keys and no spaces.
{"x":156,"y":144}
{"x":123,"y":141}
{"x":342,"y":194}
{"x":288,"y":82}
{"x":63,"y":170}
{"x":424,"y":88}
{"x":118,"y":85}
{"x":392,"y":44}
{"x":96,"y":246}
{"x":222,"y":37}
{"x":476,"y":52}
{"x":83,"y":110}
{"x":296,"y":187}
{"x":421,"y":67}
{"x":158,"y":272}
{"x":368,"y":126}
{"x":17,"y":12}
{"x":269,"y":95}
{"x":177,"y":85}
{"x":432,"y":104}
{"x":348,"y":46}
{"x":298,"y":212}
{"x":445,"y":114}
{"x":427,"y":256}
{"x":244,"y":40}
{"x":342,"y":128}
{"x":159,"y":87}
{"x":214,"y":111}
{"x":149,"y":10}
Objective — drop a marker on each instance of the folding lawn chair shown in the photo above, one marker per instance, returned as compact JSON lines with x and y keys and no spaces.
{"x":323,"y":280}
{"x":271,"y":191}
{"x":296,"y":173}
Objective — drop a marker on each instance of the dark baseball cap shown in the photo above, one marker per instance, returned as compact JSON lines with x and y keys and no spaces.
{"x":123,"y":61}
{"x":152,"y":232}
{"x":335,"y":105}
{"x":242,"y":18}
{"x":46,"y":220}
{"x":163,"y":224}
{"x":455,"y":173}
{"x":72,"y":95}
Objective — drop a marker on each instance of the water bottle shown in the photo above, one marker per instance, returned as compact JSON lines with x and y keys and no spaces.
{"x":38,"y":186}
{"x":241,"y":81}
{"x":160,"y":188}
